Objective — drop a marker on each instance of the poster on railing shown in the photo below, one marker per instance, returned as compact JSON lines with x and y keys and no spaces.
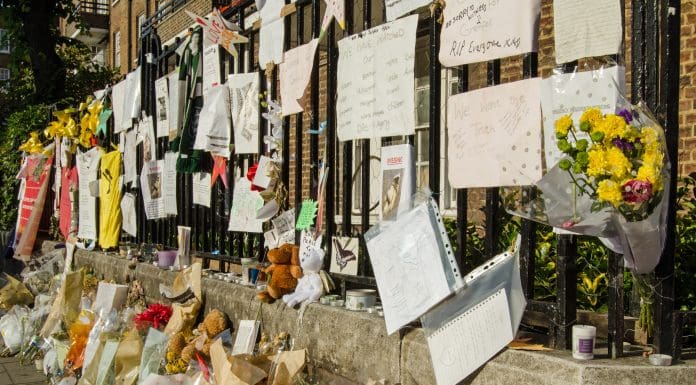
{"x":586,"y":28}
{"x":169,"y":183}
{"x":397,"y":8}
{"x":130,"y":221}
{"x":335,"y":9}
{"x":375,"y":81}
{"x":162,"y":106}
{"x":214,"y":127}
{"x":245,"y":205}
{"x":272,"y":34}
{"x":87,"y":171}
{"x":177,"y":96}
{"x":151,"y":187}
{"x":573,"y":93}
{"x":295,"y":72}
{"x":494,"y":136}
{"x":212,"y":74}
{"x":244,"y":97}
{"x":201,"y":188}
{"x":147,"y":133}
{"x":118,"y":99}
{"x":130,"y":168}
{"x":131,"y":104}
{"x":477,"y":31}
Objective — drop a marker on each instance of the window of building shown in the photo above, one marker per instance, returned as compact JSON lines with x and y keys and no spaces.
{"x":97,"y":54}
{"x":117,"y":49}
{"x":4,"y":74}
{"x":4,"y":41}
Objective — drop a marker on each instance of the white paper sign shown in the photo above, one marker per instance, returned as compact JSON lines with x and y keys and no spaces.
{"x":169,"y":183}
{"x":130,"y":171}
{"x":87,"y":168}
{"x":262,"y":178}
{"x":396,"y":8}
{"x":272,"y":33}
{"x":129,"y":223}
{"x":468,"y":341}
{"x":162,"y":106}
{"x":245,"y":204}
{"x":375,"y":81}
{"x":109,"y":296}
{"x":335,"y":9}
{"x":586,"y":28}
{"x":214,"y":127}
{"x":177,"y":95}
{"x":244,"y":89}
{"x":295,"y":72}
{"x":481,"y":30}
{"x":118,"y":99}
{"x":149,"y":140}
{"x":131,"y":109}
{"x":494,"y":136}
{"x":151,"y":187}
{"x":573,"y":93}
{"x":201,"y":188}
{"x":345,"y":252}
{"x":211,"y":68}
{"x":246,"y":337}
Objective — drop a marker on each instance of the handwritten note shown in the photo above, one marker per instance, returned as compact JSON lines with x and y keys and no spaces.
{"x":244,"y":89}
{"x":201,"y":188}
{"x":132,"y":106}
{"x":396,"y":8}
{"x":214,"y":129}
{"x":162,"y":106}
{"x":130,"y":222}
{"x":151,"y":187}
{"x":464,"y":344}
{"x":211,"y":69}
{"x":130,"y":168}
{"x":307,"y":214}
{"x":177,"y":96}
{"x":494,"y":136}
{"x":245,"y":205}
{"x":217,"y":30}
{"x":375,"y":81}
{"x":573,"y":93}
{"x":335,"y":9}
{"x":294,"y":75}
{"x":586,"y":28}
{"x":272,"y":33}
{"x":169,"y":183}
{"x":87,"y":168}
{"x":480,"y":30}
{"x":410,"y":277}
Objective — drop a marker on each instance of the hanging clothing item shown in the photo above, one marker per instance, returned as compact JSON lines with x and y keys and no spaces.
{"x":87,"y":170}
{"x":189,"y":159}
{"x":110,"y":200}
{"x":68,"y":186}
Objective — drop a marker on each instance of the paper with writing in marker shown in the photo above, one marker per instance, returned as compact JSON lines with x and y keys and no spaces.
{"x":162,"y":106}
{"x":211,"y":68}
{"x":130,"y":222}
{"x":476,"y":31}
{"x":467,"y":342}
{"x":169,"y":183}
{"x":151,"y":188}
{"x":132,"y":106}
{"x":396,"y":8}
{"x":214,"y":128}
{"x":177,"y":96}
{"x":572,"y":93}
{"x":334,"y":9}
{"x":375,"y":81}
{"x":586,"y":28}
{"x":201,"y":188}
{"x":272,"y":33}
{"x":244,"y":98}
{"x":295,"y":72}
{"x":494,"y":136}
{"x":87,"y":169}
{"x":245,"y":205}
{"x":129,"y":156}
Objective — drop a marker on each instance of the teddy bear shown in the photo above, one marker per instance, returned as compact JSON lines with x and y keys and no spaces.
{"x":284,"y":272}
{"x":181,"y":351}
{"x":310,"y":287}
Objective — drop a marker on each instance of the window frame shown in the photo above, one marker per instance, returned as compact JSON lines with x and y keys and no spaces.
{"x":5,"y":71}
{"x":6,"y":49}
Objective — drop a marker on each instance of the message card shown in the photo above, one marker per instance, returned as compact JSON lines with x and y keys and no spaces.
{"x":494,"y":136}
{"x":586,"y":28}
{"x":375,"y":81}
{"x":481,"y":30}
{"x":294,"y":75}
{"x":245,"y":205}
{"x":244,"y":97}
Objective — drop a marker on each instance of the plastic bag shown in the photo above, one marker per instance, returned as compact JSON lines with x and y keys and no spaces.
{"x":79,"y":333}
{"x":106,"y":323}
{"x":153,"y":355}
{"x":128,"y":358}
{"x":12,"y":328}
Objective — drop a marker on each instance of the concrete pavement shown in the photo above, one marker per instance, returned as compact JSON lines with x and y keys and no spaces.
{"x":12,"y":373}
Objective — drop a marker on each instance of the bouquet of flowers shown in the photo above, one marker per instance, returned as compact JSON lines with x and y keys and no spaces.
{"x":156,"y":315}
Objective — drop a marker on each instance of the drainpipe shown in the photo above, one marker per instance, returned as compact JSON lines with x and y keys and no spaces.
{"x":130,"y":35}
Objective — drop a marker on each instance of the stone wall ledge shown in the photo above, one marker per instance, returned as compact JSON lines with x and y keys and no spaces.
{"x":348,"y":347}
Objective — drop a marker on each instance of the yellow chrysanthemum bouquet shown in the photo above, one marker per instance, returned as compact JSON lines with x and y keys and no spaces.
{"x":616,"y":163}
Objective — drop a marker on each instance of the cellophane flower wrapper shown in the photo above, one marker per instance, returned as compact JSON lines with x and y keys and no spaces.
{"x":153,"y":355}
{"x":106,"y":325}
{"x":639,"y":234}
{"x":11,"y":328}
{"x":79,"y":334}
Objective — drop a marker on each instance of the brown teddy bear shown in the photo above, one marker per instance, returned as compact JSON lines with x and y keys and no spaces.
{"x":285,"y":270}
{"x":181,"y":351}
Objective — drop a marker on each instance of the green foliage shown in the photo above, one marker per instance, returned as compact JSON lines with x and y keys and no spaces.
{"x":685,"y":253}
{"x":19,"y":125}
{"x":84,"y":76}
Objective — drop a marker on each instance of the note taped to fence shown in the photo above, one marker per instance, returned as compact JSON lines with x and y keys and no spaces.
{"x":495,"y":136}
{"x":396,"y":8}
{"x":212,"y":74}
{"x":476,"y":31}
{"x":169,"y":183}
{"x":295,"y":72}
{"x":586,"y":28}
{"x":572,"y":93}
{"x":162,"y":106}
{"x":151,"y":187}
{"x":201,"y":188}
{"x":245,"y":205}
{"x":244,"y":97}
{"x":272,"y":34}
{"x":375,"y":81}
{"x":118,"y":100}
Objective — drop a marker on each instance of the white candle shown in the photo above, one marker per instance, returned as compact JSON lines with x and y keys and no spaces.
{"x":584,"y":341}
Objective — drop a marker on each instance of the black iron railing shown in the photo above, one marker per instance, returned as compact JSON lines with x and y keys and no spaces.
{"x":93,"y":7}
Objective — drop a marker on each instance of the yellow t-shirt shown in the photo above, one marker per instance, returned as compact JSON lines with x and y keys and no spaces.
{"x":110,"y":200}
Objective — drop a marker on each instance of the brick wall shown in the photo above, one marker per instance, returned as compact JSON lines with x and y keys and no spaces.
{"x":120,"y":22}
{"x":687,"y":92}
{"x":179,"y":21}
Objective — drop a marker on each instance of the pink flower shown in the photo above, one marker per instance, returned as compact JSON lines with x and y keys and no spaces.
{"x":636,"y":191}
{"x":568,"y":224}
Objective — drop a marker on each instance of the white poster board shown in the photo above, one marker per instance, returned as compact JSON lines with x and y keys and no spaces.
{"x":494,"y":136}
{"x":244,"y":98}
{"x":397,"y":8}
{"x":162,"y":106}
{"x":295,"y":72}
{"x":151,"y":187}
{"x":201,"y":188}
{"x":245,"y":205}
{"x":272,"y":33}
{"x":477,"y":31}
{"x":375,"y":81}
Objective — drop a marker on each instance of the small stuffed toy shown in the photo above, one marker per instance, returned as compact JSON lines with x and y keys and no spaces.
{"x":310,"y":287}
{"x":180,"y":351}
{"x":284,"y":270}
